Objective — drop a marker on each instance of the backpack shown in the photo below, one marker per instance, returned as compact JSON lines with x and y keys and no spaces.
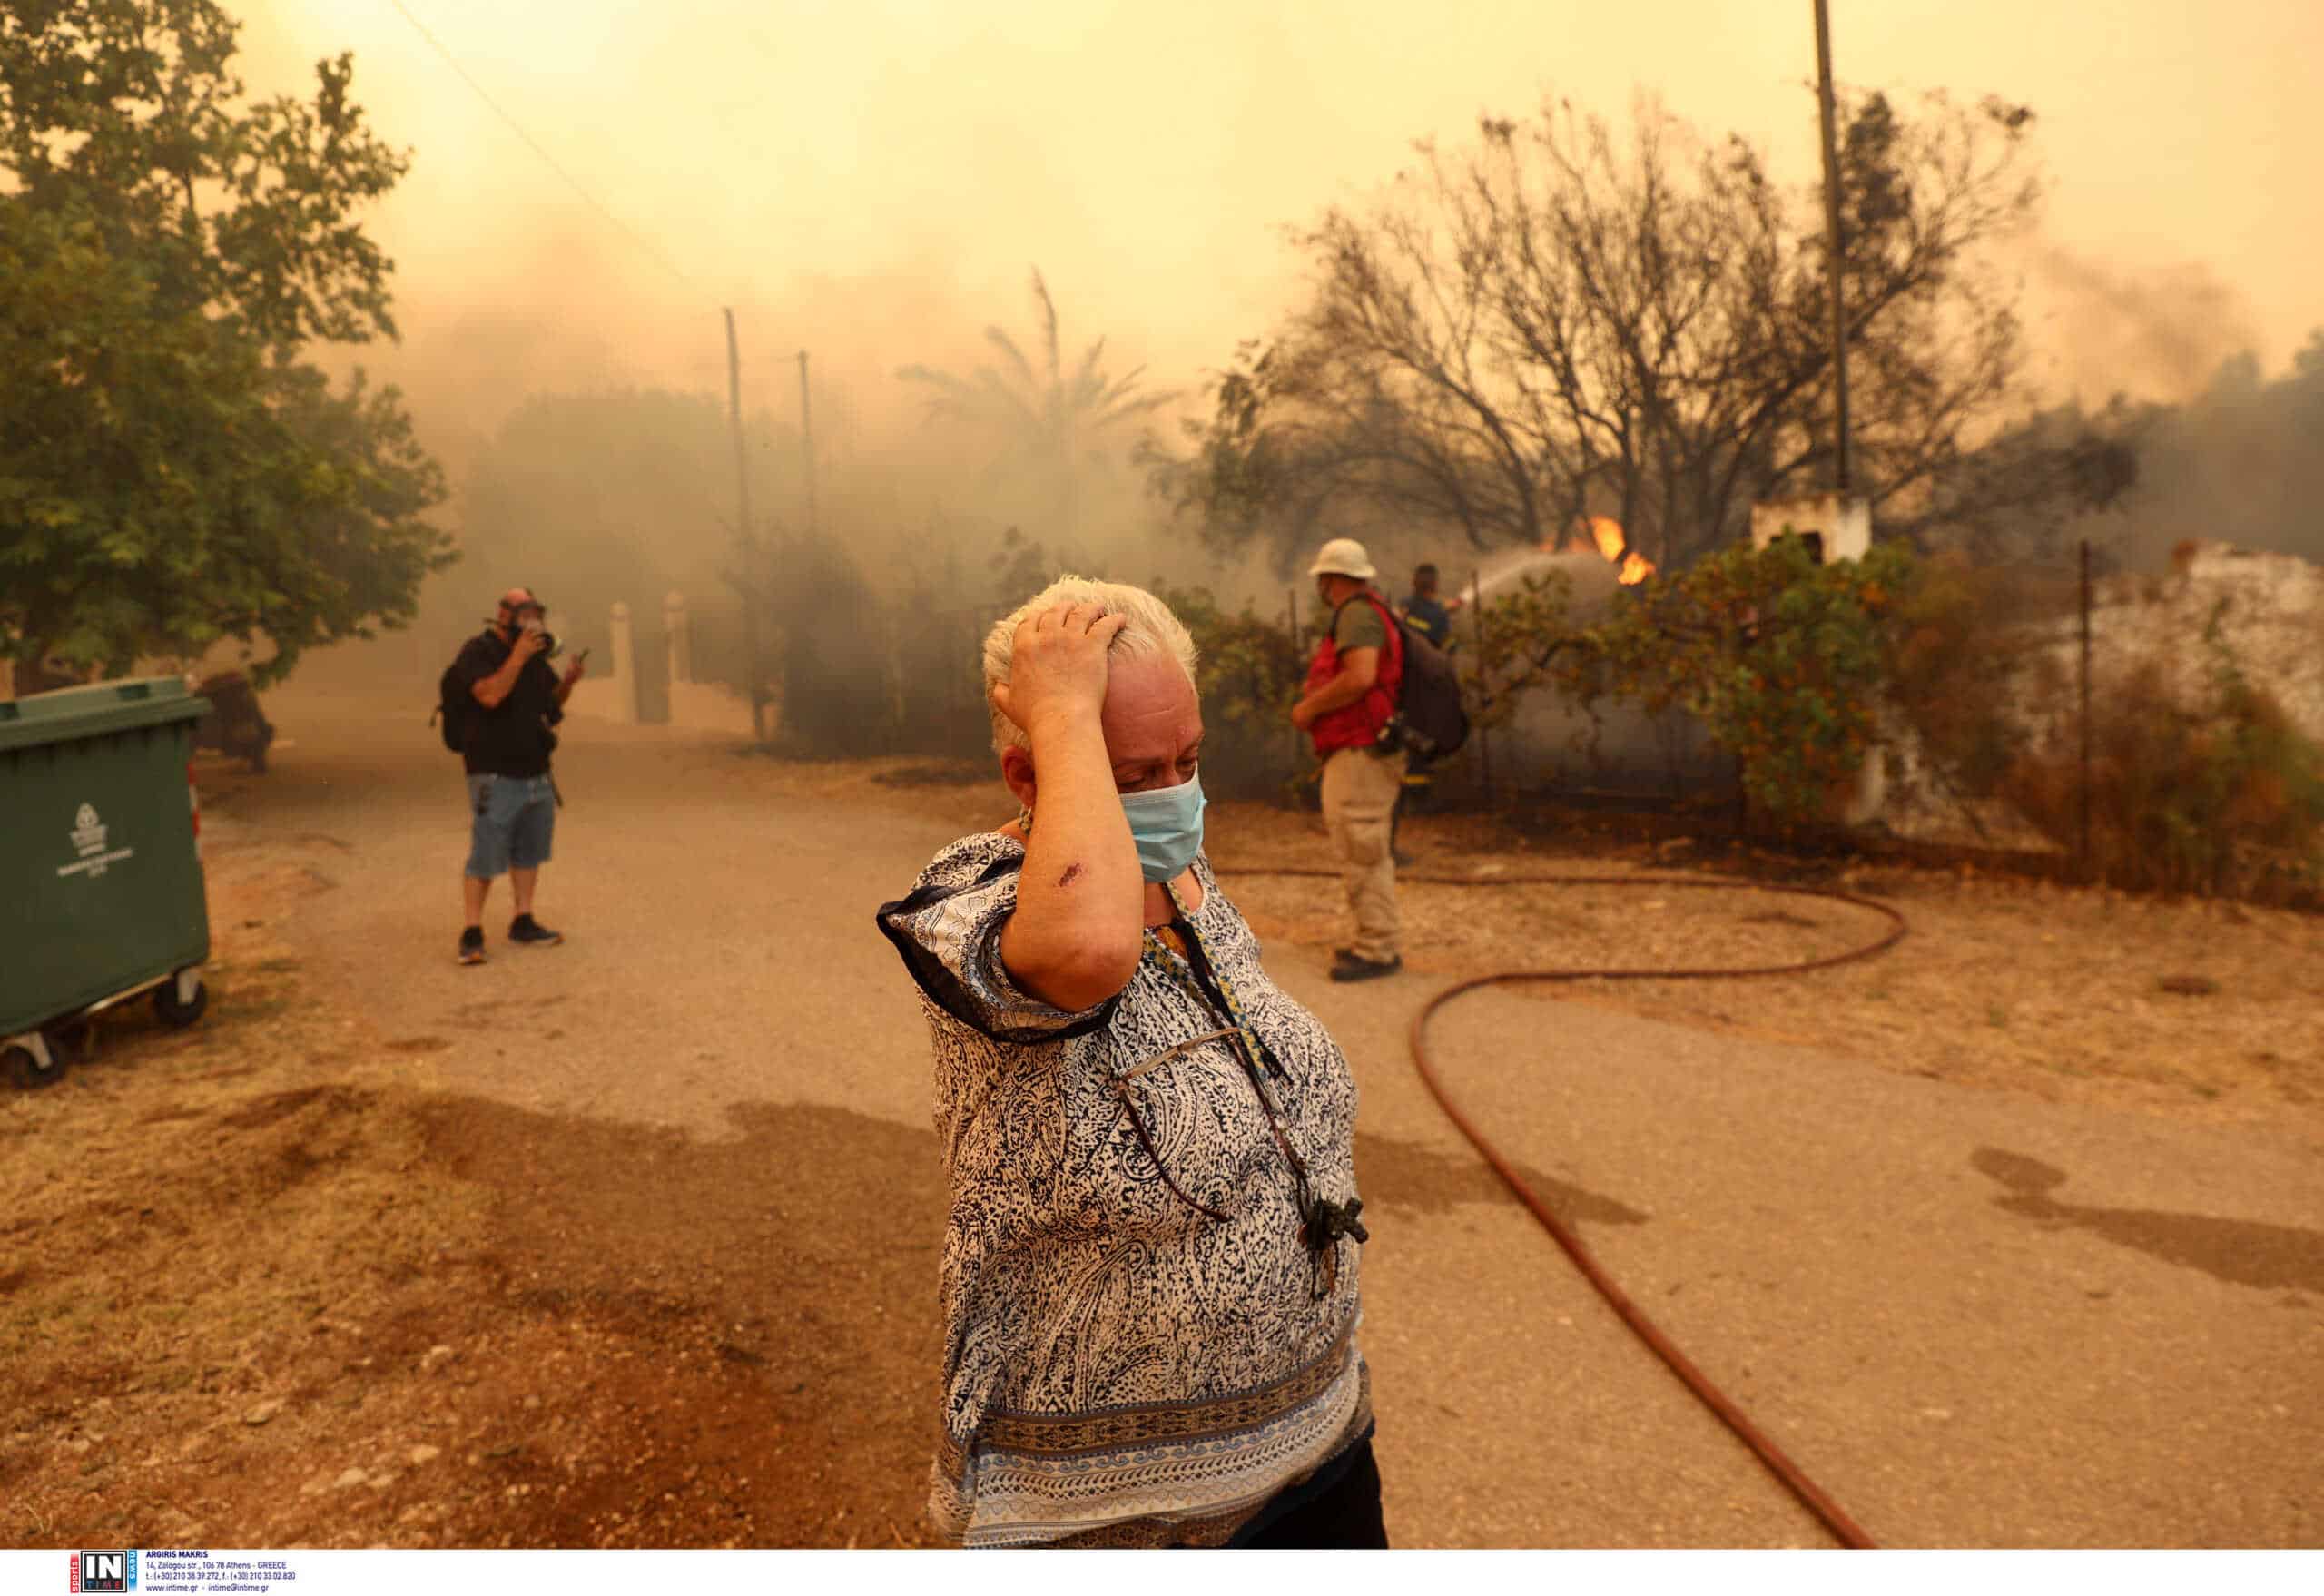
{"x":1430,"y":720}
{"x":453,"y":703}
{"x":456,"y":705}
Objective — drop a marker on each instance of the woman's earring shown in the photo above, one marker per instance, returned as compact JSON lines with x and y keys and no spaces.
{"x":1025,"y":819}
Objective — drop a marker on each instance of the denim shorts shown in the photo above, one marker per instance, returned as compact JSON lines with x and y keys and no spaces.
{"x":514,"y":818}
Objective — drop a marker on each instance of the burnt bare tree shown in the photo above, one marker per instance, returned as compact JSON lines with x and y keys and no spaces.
{"x":1549,"y":325}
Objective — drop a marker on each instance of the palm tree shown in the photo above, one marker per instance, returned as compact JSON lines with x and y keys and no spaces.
{"x":1043,"y":419}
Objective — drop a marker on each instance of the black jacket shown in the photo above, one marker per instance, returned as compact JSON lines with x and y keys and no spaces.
{"x":513,"y":738}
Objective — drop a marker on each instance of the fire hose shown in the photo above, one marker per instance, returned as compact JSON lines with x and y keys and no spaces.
{"x":1792,"y":1477}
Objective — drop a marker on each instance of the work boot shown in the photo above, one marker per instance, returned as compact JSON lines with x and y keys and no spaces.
{"x":1355,"y":967}
{"x":472,"y":945}
{"x":531,"y":932}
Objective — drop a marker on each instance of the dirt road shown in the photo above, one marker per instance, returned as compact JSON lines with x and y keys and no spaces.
{"x":1977,"y":1319}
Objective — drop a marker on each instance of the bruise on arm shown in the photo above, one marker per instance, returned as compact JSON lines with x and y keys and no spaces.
{"x":1072,"y":871}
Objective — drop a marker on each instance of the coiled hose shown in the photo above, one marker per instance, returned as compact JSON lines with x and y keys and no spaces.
{"x":1793,"y":1478}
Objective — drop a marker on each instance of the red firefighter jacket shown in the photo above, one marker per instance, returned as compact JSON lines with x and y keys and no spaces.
{"x":1357,"y":724}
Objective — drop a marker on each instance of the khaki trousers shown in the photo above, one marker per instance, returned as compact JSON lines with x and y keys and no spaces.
{"x":1360,"y":789}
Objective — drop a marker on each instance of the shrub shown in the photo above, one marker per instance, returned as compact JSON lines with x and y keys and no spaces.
{"x":2208,"y":790}
{"x":1249,"y":670}
{"x":1781,"y":659}
{"x":826,"y":646}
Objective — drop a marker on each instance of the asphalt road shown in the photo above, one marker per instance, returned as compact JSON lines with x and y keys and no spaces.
{"x":1975,"y":1319}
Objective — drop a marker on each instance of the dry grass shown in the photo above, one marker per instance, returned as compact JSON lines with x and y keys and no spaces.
{"x":258,"y":1288}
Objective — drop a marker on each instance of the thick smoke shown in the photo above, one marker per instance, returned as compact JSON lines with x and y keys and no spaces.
{"x":872,"y":183}
{"x":2157,"y":334}
{"x":2237,"y":463}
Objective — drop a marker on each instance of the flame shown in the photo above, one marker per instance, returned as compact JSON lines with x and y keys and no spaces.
{"x":1604,"y":534}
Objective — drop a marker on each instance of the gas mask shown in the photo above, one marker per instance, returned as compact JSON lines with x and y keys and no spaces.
{"x":531,"y":618}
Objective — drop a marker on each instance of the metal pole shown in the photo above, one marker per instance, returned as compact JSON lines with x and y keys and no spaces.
{"x":2084,"y":794}
{"x":748,"y":536}
{"x":1484,"y":734}
{"x":1832,"y":245}
{"x":1299,"y":663}
{"x":807,"y":440}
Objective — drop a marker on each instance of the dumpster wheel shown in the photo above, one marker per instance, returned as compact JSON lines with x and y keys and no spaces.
{"x":31,"y":1069}
{"x":176,"y":1010}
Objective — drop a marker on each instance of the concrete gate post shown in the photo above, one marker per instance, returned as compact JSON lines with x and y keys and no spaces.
{"x":678,"y":627}
{"x":624,"y":672}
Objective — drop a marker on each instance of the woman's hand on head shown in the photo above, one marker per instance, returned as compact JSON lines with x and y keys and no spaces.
{"x":1058,"y":670}
{"x":1078,"y":931}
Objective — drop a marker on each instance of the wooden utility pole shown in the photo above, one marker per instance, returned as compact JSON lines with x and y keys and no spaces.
{"x":807,"y":440}
{"x":1833,"y":256}
{"x":2082,"y":795}
{"x":754,"y":572}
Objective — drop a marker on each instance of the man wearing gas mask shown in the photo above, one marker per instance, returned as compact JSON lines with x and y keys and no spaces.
{"x":505,"y":744}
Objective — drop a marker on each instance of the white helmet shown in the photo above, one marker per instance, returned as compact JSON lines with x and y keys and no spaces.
{"x":1343,"y":556}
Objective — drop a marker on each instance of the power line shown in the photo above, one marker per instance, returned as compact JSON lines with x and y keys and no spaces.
{"x":535,"y":145}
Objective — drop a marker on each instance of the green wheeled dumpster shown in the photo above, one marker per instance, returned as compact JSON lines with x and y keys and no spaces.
{"x":101,"y":891}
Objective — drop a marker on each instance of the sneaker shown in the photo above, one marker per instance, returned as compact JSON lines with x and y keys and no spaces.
{"x":527,"y":929}
{"x":1353,"y":968}
{"x":472,"y":945}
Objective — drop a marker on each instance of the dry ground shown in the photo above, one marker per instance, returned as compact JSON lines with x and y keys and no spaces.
{"x":257,"y":1288}
{"x":257,"y":1282}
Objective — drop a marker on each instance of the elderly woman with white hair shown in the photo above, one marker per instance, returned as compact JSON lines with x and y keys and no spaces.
{"x":1151,"y":1265}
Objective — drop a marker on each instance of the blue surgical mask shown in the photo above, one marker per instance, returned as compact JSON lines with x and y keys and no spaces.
{"x":1166,"y":827}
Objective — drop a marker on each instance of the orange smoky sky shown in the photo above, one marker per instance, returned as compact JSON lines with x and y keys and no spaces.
{"x":873,"y":179}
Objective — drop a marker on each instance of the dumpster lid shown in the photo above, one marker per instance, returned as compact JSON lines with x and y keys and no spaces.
{"x":69,"y":713}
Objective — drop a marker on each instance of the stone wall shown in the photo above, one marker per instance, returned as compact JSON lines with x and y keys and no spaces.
{"x":2272,"y":622}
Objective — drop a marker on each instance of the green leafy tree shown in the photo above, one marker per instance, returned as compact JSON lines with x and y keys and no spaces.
{"x":1021,"y":566}
{"x":172,"y":470}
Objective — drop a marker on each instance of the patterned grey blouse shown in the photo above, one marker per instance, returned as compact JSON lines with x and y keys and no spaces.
{"x":1142,"y":1347}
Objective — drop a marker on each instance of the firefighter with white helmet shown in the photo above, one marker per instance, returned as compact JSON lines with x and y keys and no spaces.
{"x":1353,"y":685}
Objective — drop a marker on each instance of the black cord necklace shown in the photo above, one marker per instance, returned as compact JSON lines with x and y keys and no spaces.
{"x":1323,"y":1223}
